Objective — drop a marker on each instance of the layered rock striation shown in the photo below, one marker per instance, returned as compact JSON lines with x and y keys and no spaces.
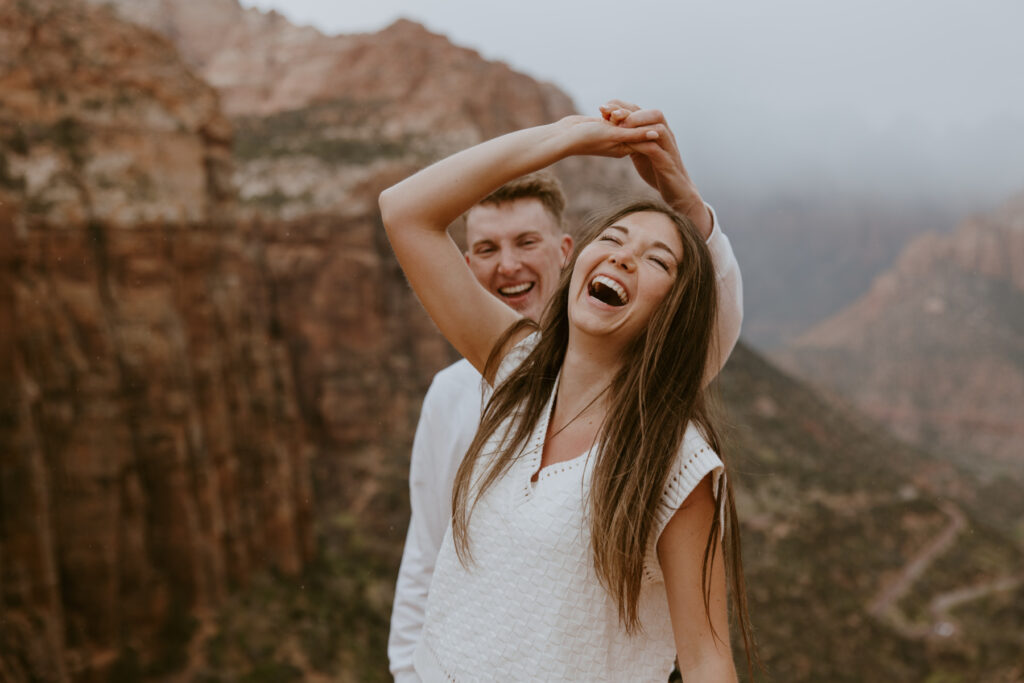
{"x":181,"y":372}
{"x":319,"y":117}
{"x":153,"y":452}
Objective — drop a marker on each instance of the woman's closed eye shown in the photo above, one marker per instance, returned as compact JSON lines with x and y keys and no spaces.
{"x":610,"y":238}
{"x":660,"y":262}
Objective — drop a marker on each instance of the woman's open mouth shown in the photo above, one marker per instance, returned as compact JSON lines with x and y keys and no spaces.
{"x":607,"y":290}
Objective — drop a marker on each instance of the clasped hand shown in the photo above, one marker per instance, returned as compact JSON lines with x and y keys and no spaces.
{"x":657,"y":158}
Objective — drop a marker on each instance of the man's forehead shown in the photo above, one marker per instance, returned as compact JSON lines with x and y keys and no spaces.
{"x":509,"y":219}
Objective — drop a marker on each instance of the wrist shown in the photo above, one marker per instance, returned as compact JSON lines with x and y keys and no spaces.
{"x":691,"y":205}
{"x":694,"y":208}
{"x":565,"y":138}
{"x":542,"y":145}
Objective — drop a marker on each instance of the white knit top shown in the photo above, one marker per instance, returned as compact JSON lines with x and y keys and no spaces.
{"x":530,"y":607}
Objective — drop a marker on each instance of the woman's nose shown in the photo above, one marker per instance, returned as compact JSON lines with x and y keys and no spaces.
{"x":624,"y":261}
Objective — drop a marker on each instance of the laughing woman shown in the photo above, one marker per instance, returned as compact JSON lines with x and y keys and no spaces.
{"x":593,"y":528}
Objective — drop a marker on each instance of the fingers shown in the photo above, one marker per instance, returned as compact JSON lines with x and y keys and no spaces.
{"x":632,"y":116}
{"x":656,"y":157}
{"x":642,"y":134}
{"x":617,"y":111}
{"x":665,"y":139}
{"x":623,"y":105}
{"x":662,"y":160}
{"x":645,"y":117}
{"x":598,"y":137}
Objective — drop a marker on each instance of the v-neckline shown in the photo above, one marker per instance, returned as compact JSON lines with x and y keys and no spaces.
{"x":535,"y":455}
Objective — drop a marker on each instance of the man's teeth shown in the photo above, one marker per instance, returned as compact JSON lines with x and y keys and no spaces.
{"x":515,"y":289}
{"x":612,"y":285}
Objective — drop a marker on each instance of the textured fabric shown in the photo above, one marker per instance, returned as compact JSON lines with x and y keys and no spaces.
{"x":530,"y":607}
{"x":447,"y":424}
{"x":448,"y":419}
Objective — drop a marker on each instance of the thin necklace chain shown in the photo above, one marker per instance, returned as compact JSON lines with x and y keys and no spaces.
{"x":577,"y":416}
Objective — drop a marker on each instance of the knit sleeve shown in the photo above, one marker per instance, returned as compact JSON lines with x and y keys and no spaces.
{"x":694,"y":461}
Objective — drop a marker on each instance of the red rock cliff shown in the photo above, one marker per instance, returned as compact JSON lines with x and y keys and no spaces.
{"x":935,"y":348}
{"x":152,"y":449}
{"x":319,"y":117}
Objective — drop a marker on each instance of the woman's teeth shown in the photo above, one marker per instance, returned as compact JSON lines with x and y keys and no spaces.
{"x":609,"y":291}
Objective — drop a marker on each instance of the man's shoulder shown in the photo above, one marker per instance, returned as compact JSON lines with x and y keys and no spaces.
{"x":453,"y":399}
{"x":459,"y":376}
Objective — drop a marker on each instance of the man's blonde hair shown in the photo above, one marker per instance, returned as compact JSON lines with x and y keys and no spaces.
{"x":541,"y":185}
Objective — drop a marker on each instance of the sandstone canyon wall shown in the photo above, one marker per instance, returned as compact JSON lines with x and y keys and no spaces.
{"x":186,"y":370}
{"x":153,"y":454}
{"x":200,"y":383}
{"x":322,"y":125}
{"x":319,"y":117}
{"x":935,"y":350}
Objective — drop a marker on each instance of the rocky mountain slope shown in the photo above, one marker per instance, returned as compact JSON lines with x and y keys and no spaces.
{"x":893,"y":559}
{"x":317,"y":117}
{"x":200,"y":388}
{"x":935,"y":350}
{"x":807,"y":255}
{"x":184,"y":373}
{"x":865,"y":560}
{"x":152,"y":455}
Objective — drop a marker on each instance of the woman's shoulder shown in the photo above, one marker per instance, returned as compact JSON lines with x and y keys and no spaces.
{"x":694,"y":460}
{"x":694,"y":439}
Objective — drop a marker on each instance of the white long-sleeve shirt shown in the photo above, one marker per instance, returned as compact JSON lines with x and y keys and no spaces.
{"x":448,"y":421}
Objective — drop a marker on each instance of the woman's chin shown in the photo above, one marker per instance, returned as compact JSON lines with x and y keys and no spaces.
{"x":611,"y":331}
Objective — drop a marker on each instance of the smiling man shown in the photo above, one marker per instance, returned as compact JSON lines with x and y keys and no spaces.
{"x":516,"y":248}
{"x":515,"y":243}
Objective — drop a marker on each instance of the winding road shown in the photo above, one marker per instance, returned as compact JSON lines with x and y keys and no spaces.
{"x":884,"y":605}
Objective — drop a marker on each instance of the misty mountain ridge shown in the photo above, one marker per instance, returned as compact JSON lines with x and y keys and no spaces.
{"x":935,"y":349}
{"x":259,"y":364}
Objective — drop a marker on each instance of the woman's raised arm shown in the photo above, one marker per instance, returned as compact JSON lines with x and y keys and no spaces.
{"x":417,"y":212}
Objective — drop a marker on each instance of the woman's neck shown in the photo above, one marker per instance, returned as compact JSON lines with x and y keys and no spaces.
{"x":588,"y":368}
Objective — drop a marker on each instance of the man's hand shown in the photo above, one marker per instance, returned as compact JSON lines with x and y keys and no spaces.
{"x":658,"y":162}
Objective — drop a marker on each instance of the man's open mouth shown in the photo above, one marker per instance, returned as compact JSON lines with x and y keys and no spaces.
{"x":608,"y":290}
{"x":516,"y":290}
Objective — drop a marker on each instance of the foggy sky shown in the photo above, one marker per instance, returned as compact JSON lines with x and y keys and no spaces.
{"x":886,"y":97}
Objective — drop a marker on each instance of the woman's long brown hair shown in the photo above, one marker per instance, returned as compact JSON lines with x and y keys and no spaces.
{"x":656,"y":394}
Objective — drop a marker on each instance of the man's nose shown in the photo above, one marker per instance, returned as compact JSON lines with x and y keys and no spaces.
{"x":508,"y":261}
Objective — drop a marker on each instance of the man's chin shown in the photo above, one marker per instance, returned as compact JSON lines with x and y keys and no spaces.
{"x":526,"y":305}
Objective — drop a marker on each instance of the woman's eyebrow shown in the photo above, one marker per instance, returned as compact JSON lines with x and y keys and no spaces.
{"x":661,"y":245}
{"x":657,"y":243}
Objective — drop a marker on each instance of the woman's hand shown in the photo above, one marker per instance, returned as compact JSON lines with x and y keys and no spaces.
{"x":588,"y":135}
{"x":658,"y":161}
